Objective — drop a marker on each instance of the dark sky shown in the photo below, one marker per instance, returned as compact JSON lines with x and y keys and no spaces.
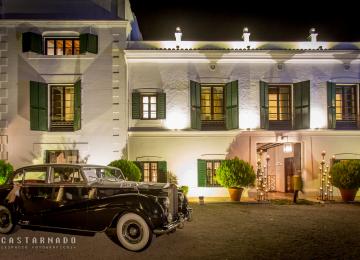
{"x":267,"y":21}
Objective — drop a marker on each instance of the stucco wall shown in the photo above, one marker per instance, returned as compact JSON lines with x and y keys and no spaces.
{"x":182,"y":148}
{"x":103,"y":134}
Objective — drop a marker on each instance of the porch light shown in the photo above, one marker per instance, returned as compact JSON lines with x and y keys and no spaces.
{"x":288,"y":148}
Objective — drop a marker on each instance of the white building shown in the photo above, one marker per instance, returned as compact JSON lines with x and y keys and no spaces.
{"x":171,"y":105}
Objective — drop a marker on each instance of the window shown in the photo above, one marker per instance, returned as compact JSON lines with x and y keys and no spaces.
{"x":214,"y":106}
{"x":150,"y":171}
{"x":62,"y":107}
{"x":62,"y":156}
{"x":62,"y":46}
{"x":279,"y":103}
{"x":211,"y":167}
{"x":35,"y":175}
{"x":207,"y":173}
{"x":149,"y":106}
{"x":346,"y":103}
{"x":66,"y":175}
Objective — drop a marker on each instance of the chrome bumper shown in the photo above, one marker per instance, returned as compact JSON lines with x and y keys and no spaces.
{"x":174,"y":225}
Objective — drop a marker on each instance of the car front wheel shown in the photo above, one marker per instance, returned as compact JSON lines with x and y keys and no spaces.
{"x":133,"y":232}
{"x":6,"y":220}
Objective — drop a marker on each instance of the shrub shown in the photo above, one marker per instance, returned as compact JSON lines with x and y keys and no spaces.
{"x":5,"y":170}
{"x":129,"y":169}
{"x":185,"y":189}
{"x":171,"y":178}
{"x":346,"y":174}
{"x":235,"y":173}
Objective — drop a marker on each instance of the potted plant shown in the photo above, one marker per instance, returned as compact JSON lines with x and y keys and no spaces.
{"x":346,"y":176}
{"x":130,"y":170}
{"x":185,"y":189}
{"x":235,"y":174}
{"x":5,"y":170}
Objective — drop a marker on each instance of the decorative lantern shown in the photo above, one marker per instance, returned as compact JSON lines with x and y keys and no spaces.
{"x":288,"y":148}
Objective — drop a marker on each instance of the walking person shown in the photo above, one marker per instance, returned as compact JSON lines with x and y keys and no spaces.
{"x":298,"y":186}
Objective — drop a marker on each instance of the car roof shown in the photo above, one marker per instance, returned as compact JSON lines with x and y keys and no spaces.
{"x":65,"y":165}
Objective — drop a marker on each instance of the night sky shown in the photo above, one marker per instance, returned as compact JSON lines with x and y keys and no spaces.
{"x":267,"y":21}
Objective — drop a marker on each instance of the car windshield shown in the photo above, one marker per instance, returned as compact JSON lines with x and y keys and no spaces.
{"x":103,"y":173}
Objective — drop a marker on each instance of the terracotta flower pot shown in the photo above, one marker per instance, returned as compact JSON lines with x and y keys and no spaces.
{"x":348,"y":194}
{"x":235,"y":193}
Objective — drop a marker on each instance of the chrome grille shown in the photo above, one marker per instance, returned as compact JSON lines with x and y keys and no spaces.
{"x":173,"y":198}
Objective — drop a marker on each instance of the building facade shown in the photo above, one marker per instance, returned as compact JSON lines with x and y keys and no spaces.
{"x":92,"y":90}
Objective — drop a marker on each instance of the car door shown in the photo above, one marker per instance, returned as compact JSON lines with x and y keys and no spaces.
{"x":34,"y":194}
{"x":69,"y":198}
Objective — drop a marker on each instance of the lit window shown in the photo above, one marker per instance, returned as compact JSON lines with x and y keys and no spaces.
{"x":62,"y":107}
{"x":346,"y":103}
{"x":62,"y":46}
{"x":149,"y":103}
{"x":212,"y":103}
{"x":279,"y":103}
{"x":211,"y":167}
{"x":150,"y":171}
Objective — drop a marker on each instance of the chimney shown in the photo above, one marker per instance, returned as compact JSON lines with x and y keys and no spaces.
{"x":178,"y":35}
{"x":313,"y":35}
{"x":246,"y":35}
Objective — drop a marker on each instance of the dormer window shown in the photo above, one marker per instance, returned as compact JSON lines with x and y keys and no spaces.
{"x":62,"y":46}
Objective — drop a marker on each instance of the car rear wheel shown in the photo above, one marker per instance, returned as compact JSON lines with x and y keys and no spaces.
{"x":6,"y":220}
{"x":133,"y":232}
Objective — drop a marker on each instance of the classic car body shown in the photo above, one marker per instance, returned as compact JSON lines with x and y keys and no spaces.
{"x":91,"y":198}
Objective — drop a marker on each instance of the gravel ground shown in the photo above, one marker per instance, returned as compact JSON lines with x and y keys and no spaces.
{"x":229,"y":231}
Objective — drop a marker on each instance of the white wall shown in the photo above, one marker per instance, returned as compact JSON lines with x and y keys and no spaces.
{"x":182,"y":148}
{"x":103,"y":134}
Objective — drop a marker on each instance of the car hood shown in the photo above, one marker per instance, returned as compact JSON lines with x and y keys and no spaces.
{"x":133,"y":184}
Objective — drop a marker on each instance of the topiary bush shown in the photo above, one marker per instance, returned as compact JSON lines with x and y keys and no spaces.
{"x":235,"y":173}
{"x":346,"y":174}
{"x":184,"y":189}
{"x":5,"y":170}
{"x":129,"y":169}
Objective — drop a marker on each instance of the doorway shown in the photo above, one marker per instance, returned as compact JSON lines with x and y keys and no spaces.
{"x":284,"y":162}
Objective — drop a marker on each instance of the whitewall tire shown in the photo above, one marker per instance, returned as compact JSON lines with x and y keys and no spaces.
{"x":6,"y":220}
{"x":133,"y":232}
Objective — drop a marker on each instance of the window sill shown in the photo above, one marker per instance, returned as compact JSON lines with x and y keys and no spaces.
{"x":35,"y":56}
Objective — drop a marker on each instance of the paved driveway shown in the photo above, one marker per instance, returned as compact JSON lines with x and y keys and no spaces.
{"x":225,"y":231}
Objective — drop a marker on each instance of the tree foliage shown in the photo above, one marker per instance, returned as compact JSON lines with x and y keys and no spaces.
{"x":129,"y":169}
{"x":5,"y":170}
{"x":346,"y":174}
{"x":235,"y":173}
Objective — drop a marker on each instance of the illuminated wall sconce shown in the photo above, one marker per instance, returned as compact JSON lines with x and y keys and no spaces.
{"x":178,"y":35}
{"x":288,"y":148}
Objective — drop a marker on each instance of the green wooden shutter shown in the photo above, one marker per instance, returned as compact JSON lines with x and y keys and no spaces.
{"x":161,"y":106}
{"x":162,"y":172}
{"x":32,"y":42}
{"x":201,"y":165}
{"x":302,"y":105}
{"x":264,"y":105}
{"x":331,"y":95}
{"x":88,"y":43}
{"x":232,"y":105}
{"x":135,"y":105}
{"x":38,"y":106}
{"x":77,"y":105}
{"x":141,"y":168}
{"x":195,"y":105}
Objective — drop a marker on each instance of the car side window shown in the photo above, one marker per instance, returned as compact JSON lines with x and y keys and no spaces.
{"x":18,"y":177}
{"x":66,"y":175}
{"x":35,"y":175}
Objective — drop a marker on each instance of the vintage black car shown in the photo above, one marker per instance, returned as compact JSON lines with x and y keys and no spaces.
{"x":91,"y":198}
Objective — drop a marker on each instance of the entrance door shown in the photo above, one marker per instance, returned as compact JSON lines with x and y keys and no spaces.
{"x":289,"y":173}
